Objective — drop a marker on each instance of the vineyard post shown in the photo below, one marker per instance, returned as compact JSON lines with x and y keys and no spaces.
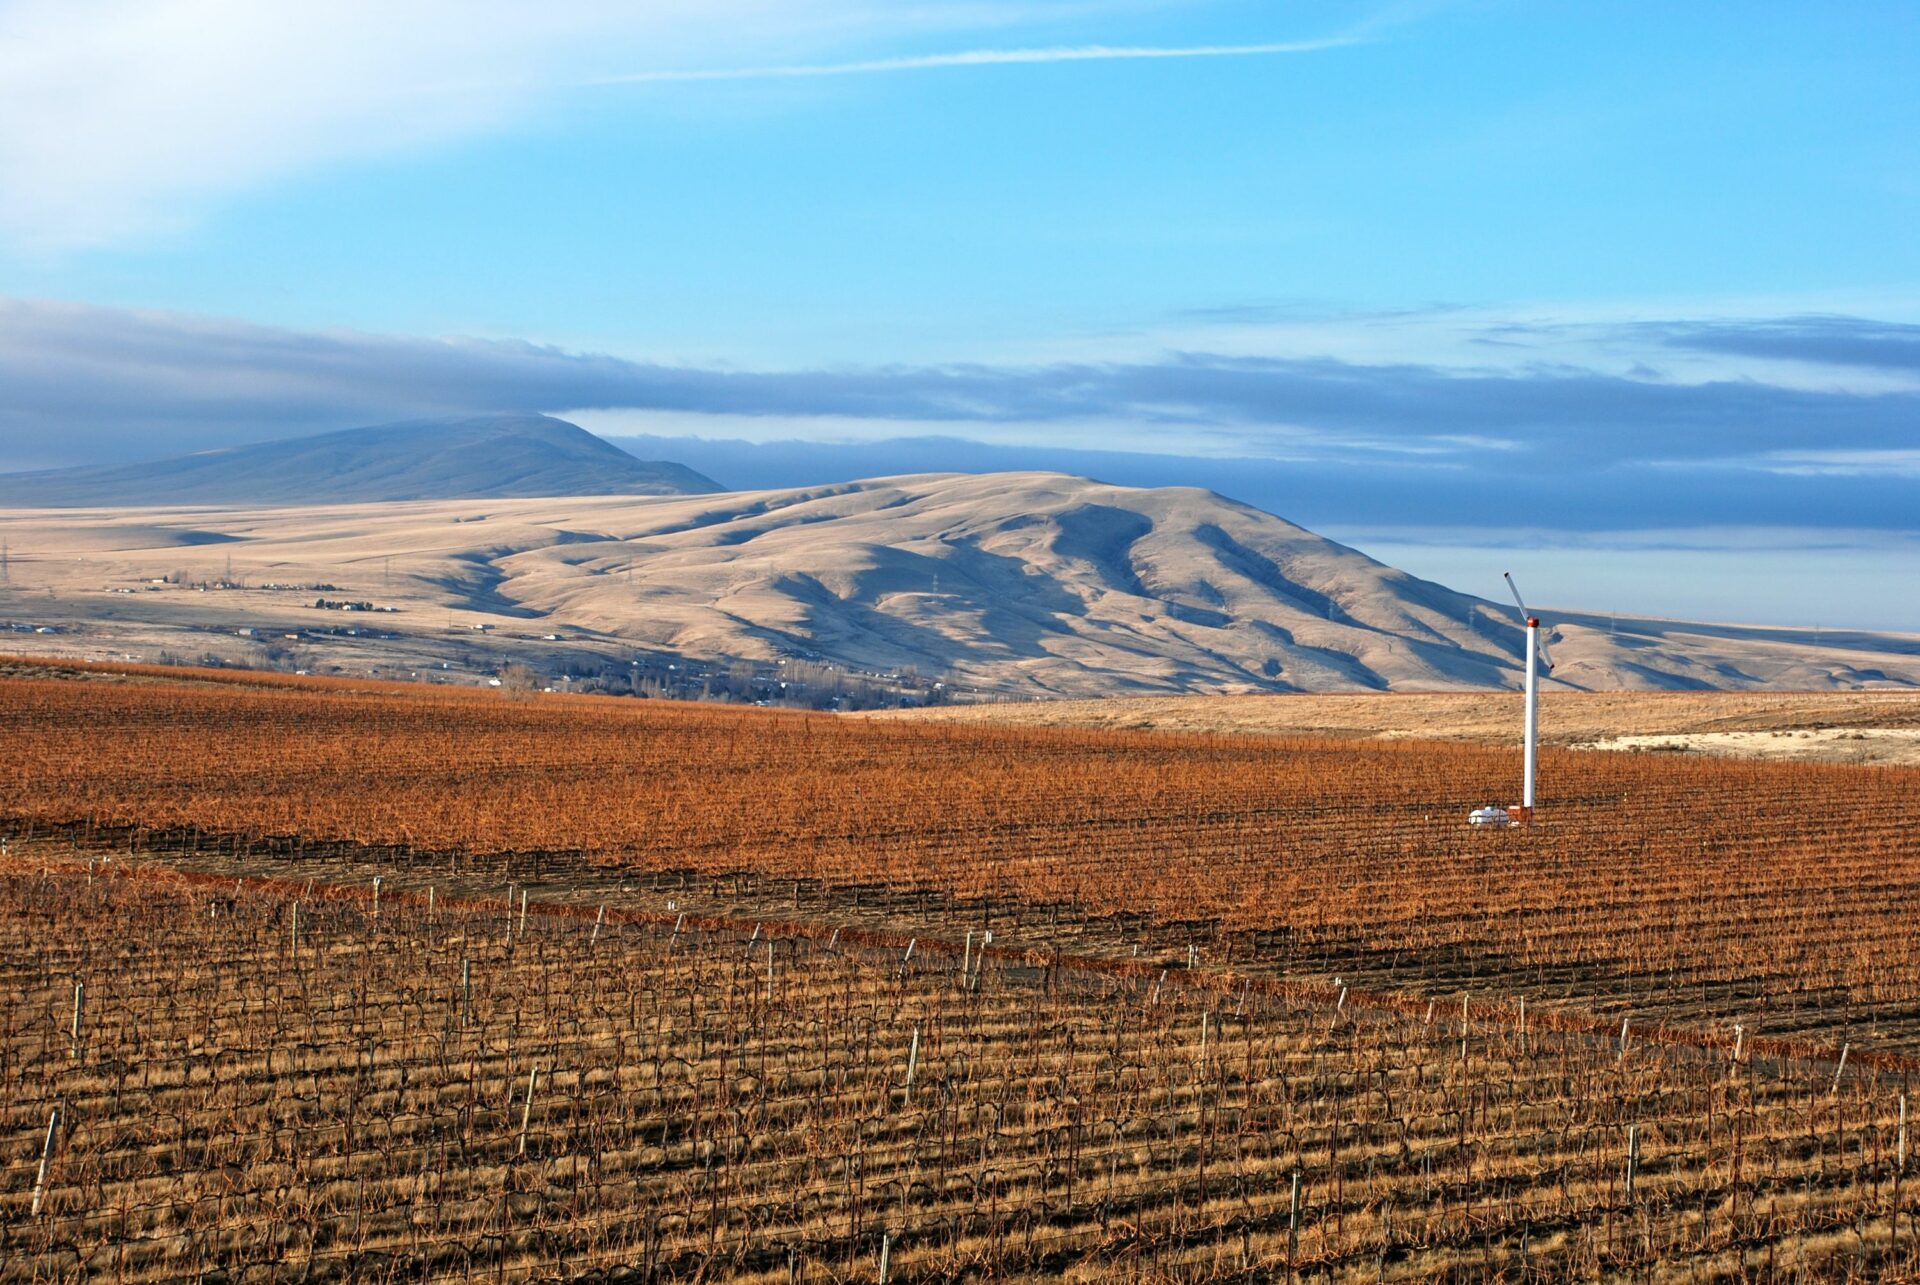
{"x":598,"y":919}
{"x":79,"y":996}
{"x":376,"y":896}
{"x":966,"y":958}
{"x":1901,"y":1150}
{"x":526,"y":1110}
{"x":769,"y":970}
{"x":1633,"y":1157}
{"x":1463,"y":1026}
{"x":913,"y":1062}
{"x":1206,"y":1022}
{"x":1841,"y":1069}
{"x":1739,"y":1040}
{"x":1623,"y":1038}
{"x":906,"y":958}
{"x":523,"y":912}
{"x":1523,"y":1026}
{"x":886,"y":1255}
{"x":46,"y":1155}
{"x":1293,"y":1225}
{"x":466,"y":992}
{"x":1899,"y":1171}
{"x":429,"y":901}
{"x":296,"y":933}
{"x":510,"y":912}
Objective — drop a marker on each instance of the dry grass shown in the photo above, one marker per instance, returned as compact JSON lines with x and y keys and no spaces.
{"x":1774,"y":721}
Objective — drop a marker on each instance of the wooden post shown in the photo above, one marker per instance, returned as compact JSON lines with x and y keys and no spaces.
{"x":1523,"y":1025}
{"x":1206,"y":1024}
{"x":466,"y":992}
{"x":1901,"y":1145}
{"x":966,"y":958}
{"x":296,"y":931}
{"x":526,"y":1111}
{"x":46,"y":1155}
{"x":769,"y":970}
{"x":429,"y":901}
{"x":1841,"y":1069}
{"x":1623,"y":1038}
{"x":79,"y":996}
{"x":598,"y":919}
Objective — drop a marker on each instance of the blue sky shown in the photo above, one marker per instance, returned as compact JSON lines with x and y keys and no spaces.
{"x":1450,"y":280}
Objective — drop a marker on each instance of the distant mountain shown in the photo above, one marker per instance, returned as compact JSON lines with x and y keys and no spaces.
{"x":473,"y":457}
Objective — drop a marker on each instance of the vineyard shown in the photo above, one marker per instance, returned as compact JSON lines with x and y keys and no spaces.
{"x":263,"y":1081}
{"x":1658,"y":889}
{"x":383,"y":981}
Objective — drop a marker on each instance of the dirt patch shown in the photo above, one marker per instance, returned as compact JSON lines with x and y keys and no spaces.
{"x":1808,"y":745}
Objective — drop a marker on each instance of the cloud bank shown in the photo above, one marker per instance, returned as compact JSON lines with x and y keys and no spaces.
{"x":1376,"y":440}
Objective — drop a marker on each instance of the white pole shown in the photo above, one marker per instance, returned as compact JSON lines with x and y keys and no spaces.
{"x":46,"y":1154}
{"x":1533,"y":718}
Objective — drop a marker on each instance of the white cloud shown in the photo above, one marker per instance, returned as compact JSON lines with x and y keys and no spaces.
{"x":124,"y":119}
{"x":979,"y":58}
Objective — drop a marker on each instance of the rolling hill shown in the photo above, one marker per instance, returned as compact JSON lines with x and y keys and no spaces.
{"x":1021,"y":584}
{"x":479,"y":456}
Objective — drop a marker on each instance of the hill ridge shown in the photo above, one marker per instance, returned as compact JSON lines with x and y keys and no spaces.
{"x":455,"y":457}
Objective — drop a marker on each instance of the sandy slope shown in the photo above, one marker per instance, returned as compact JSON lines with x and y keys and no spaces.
{"x":1024,"y":584}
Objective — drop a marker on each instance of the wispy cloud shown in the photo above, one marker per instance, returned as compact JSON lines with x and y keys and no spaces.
{"x":123,"y":120}
{"x":979,"y":58}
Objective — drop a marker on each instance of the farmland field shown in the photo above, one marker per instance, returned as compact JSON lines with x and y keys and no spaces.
{"x":1216,"y":962}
